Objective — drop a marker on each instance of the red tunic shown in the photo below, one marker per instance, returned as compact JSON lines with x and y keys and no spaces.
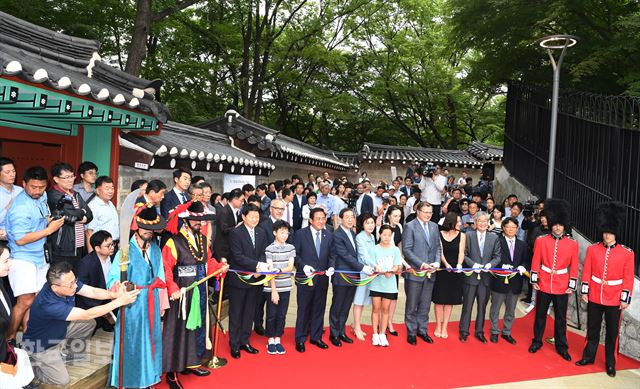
{"x":555,"y":264}
{"x":607,"y":276}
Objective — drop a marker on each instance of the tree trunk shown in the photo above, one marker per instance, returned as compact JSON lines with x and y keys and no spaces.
{"x":141,"y":28}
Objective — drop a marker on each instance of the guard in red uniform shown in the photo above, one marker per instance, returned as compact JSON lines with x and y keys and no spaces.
{"x":607,"y":283}
{"x":554,"y":274}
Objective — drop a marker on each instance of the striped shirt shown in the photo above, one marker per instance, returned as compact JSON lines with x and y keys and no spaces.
{"x":280,"y":255}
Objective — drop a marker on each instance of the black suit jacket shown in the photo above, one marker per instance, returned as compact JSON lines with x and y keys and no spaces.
{"x":244,"y":256}
{"x":225,"y":223}
{"x":297,"y":211}
{"x":170,"y":201}
{"x":4,"y":323}
{"x":346,"y":255}
{"x":89,"y":271}
{"x":521,"y":257}
{"x":367,"y":205}
{"x":306,"y":251}
{"x":266,"y":224}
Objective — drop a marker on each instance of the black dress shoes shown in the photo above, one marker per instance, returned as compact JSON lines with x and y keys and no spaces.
{"x":300,"y":347}
{"x":235,"y":354}
{"x":259,"y":330}
{"x":480,"y":337}
{"x":463,"y":337}
{"x":345,"y":339}
{"x":247,"y":347}
{"x":200,"y":372}
{"x":426,"y":338}
{"x":494,"y":338}
{"x":319,"y":343}
{"x":565,"y":355}
{"x":392,"y":333}
{"x":335,"y":341}
{"x":173,"y":381}
{"x":411,"y":340}
{"x":534,"y":347}
{"x":508,"y":338}
{"x":611,"y":371}
{"x":584,"y":362}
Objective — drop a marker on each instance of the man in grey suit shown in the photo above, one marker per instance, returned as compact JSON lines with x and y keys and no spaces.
{"x":482,"y":252}
{"x":422,"y":251}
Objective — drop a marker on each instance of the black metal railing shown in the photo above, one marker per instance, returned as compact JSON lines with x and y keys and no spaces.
{"x":597,"y":153}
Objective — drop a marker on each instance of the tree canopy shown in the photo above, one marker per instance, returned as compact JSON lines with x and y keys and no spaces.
{"x":337,"y":73}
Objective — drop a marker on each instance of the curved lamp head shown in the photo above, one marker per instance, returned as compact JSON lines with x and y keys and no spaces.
{"x":558,"y":41}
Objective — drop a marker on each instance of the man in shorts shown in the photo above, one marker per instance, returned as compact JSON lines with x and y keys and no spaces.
{"x":29,"y":223}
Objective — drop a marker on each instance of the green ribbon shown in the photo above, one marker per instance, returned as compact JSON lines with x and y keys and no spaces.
{"x":194,"y":321}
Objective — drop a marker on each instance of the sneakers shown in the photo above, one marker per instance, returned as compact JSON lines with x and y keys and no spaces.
{"x":382,"y":338}
{"x":271,"y":349}
{"x":529,"y":308}
{"x":375,"y":340}
{"x":280,"y":349}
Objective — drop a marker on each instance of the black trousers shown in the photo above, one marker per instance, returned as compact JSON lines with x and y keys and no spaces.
{"x":560,"y":302}
{"x":340,"y":306}
{"x":436,"y":213}
{"x":258,"y":320}
{"x":276,"y":313}
{"x":312,"y":302}
{"x":612,"y":325}
{"x":242,"y":309}
{"x":471,"y":294}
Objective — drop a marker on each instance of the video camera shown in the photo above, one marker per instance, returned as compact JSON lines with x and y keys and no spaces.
{"x":529,"y":208}
{"x":426,"y":169}
{"x":58,"y":212}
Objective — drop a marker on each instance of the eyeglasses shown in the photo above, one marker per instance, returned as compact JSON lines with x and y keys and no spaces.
{"x":426,"y":212}
{"x":278,"y":208}
{"x":108,"y":246}
{"x":67,"y":177}
{"x":71,"y":285}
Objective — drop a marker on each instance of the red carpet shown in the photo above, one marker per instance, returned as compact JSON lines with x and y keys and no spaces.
{"x":445,"y":364}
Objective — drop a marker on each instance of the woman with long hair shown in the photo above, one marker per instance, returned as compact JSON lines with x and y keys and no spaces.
{"x":392,"y":218}
{"x":447,"y":290}
{"x":365,"y":240}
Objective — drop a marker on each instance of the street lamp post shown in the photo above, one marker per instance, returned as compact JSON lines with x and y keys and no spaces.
{"x":551,"y":43}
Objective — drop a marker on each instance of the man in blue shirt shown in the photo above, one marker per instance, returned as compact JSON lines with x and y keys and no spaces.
{"x":326,"y":200}
{"x":29,"y":223}
{"x":54,"y":319}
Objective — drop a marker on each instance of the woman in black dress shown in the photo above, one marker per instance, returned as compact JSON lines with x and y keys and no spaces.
{"x":447,"y":291}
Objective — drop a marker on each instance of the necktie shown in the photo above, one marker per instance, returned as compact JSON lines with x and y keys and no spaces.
{"x":288,"y":215}
{"x":253,"y":237}
{"x":481,"y":244}
{"x":184,"y":197}
{"x":318,"y":243}
{"x":511,"y":248}
{"x":426,"y":230}
{"x":237,"y":215}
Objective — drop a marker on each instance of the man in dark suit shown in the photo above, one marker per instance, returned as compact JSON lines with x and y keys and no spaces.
{"x":514,"y":254}
{"x":482,"y":252}
{"x":344,"y":243}
{"x":226,"y":220}
{"x":314,"y":252}
{"x":247,"y":247}
{"x":176,"y":196}
{"x":154,"y":194}
{"x":299,"y":201}
{"x":93,"y":270}
{"x":364,"y":204}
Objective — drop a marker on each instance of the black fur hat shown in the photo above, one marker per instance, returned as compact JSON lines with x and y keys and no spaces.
{"x":610,"y":217}
{"x":557,"y":211}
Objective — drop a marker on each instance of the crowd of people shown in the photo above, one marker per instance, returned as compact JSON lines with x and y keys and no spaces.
{"x":73,"y":268}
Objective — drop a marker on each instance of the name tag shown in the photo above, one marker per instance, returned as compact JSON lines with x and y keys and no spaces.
{"x":186,"y":271}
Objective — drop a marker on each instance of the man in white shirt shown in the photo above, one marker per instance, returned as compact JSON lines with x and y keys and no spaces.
{"x":462,"y":181}
{"x":8,"y":191}
{"x":433,"y":188}
{"x":105,"y":215}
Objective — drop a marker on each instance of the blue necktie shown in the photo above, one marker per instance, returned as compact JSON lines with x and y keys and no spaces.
{"x":318,"y":243}
{"x":184,"y":197}
{"x":425,"y":226}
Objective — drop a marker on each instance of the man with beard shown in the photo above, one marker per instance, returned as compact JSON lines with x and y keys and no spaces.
{"x":187,"y":259}
{"x":142,"y":329}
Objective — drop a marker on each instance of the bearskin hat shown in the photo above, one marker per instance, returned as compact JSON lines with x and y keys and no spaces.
{"x":557,"y":211}
{"x":610,"y":217}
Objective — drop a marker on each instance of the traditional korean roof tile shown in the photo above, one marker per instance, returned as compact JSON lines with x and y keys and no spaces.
{"x":39,"y":55}
{"x":484,"y":151}
{"x":205,"y":149}
{"x":378,"y":152}
{"x":280,"y":146}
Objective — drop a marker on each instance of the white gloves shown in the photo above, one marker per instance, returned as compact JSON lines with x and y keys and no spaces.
{"x":308,"y":270}
{"x":521,"y":269}
{"x":262,"y":267}
{"x":435,"y":265}
{"x":487,"y":266}
{"x":368,"y":270}
{"x":329,"y":272}
{"x":458,"y":267}
{"x":507,"y":267}
{"x":477,"y":267}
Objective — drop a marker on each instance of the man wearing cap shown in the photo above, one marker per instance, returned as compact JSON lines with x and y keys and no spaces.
{"x":607,"y":283}
{"x":554,"y":274}
{"x":187,"y":259}
{"x":142,"y":329}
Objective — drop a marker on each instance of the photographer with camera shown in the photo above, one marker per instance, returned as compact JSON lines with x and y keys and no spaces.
{"x":432,"y":185}
{"x":68,"y":243}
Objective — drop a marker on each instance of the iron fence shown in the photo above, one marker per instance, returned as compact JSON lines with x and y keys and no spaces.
{"x":597,"y":154}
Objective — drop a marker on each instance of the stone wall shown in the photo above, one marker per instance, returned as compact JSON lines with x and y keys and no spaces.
{"x":377,"y":171}
{"x":630,"y":323}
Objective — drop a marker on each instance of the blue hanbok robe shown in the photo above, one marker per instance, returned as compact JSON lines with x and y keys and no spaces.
{"x":142,"y":368}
